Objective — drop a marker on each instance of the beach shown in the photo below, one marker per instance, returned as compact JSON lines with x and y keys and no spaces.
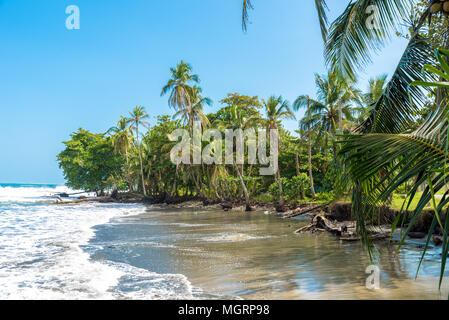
{"x":136,"y":251}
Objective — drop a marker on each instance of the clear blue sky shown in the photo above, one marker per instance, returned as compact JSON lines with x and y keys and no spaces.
{"x":54,"y":81}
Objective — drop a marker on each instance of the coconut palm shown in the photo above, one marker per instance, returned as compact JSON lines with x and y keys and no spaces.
{"x":185,"y":97}
{"x":180,"y":87}
{"x":277,"y":109}
{"x":241,"y":112}
{"x":121,"y":137}
{"x":420,"y":154}
{"x":195,"y":112}
{"x":376,"y":88}
{"x":307,"y":122}
{"x":137,"y":118}
{"x":334,"y":106}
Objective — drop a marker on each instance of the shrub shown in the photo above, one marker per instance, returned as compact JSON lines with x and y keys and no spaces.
{"x":296,"y":187}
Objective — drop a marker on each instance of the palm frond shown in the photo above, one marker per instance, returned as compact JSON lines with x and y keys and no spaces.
{"x":247,"y":5}
{"x":352,"y":36}
{"x":321,"y":8}
{"x":396,"y":109}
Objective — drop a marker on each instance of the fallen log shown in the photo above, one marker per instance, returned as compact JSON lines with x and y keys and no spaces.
{"x":98,"y":199}
{"x":381,"y":236}
{"x":302,"y":211}
{"x":320,"y":223}
{"x":58,"y":198}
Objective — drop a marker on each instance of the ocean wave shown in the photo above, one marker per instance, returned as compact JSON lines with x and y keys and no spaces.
{"x":41,"y":256}
{"x":32,"y":194}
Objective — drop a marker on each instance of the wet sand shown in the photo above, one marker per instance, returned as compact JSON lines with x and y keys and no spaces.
{"x":257,"y":256}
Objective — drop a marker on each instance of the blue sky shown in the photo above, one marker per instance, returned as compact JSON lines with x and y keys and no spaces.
{"x":54,"y":81}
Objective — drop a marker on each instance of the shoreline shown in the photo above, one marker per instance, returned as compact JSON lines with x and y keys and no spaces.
{"x":335,"y":218}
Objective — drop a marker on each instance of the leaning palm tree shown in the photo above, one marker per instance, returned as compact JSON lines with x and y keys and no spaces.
{"x":277,"y":109}
{"x":138,"y":118}
{"x":195,"y":113}
{"x":185,"y":97}
{"x":376,"y":88}
{"x":414,"y":153}
{"x":240,"y":113}
{"x":180,"y":87}
{"x":334,"y":106}
{"x":307,"y":123}
{"x":121,"y":137}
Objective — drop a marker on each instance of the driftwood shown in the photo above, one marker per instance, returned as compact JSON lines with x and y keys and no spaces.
{"x":58,"y":198}
{"x":301,"y":211}
{"x":380,"y":236}
{"x":345,"y":231}
{"x":98,"y":199}
{"x":321,"y":223}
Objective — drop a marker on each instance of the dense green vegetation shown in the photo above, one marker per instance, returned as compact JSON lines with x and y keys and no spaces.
{"x":370,"y":144}
{"x":143,"y":151}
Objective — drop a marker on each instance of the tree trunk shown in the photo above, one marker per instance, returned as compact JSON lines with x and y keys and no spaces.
{"x":312,"y":187}
{"x":141,"y":162}
{"x":281,"y":196}
{"x":245,"y":191}
{"x":174,"y":183}
{"x":297,"y":163}
{"x":340,"y":117}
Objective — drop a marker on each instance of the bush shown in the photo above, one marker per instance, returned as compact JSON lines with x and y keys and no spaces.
{"x":296,"y":187}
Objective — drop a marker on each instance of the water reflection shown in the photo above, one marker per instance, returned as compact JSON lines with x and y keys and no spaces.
{"x":257,"y":256}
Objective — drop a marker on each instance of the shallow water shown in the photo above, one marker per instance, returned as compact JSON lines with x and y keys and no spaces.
{"x":257,"y":256}
{"x":117,"y":251}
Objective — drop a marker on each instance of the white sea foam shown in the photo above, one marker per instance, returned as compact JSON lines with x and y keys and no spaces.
{"x":41,"y":255}
{"x":33,"y":194}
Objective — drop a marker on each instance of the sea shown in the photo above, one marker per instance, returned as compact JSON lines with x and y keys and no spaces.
{"x":97,"y":251}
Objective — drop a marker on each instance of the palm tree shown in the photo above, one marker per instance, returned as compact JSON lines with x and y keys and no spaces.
{"x":137,"y":118}
{"x":180,"y":88}
{"x":276,"y":109}
{"x":414,"y":153}
{"x":299,"y":103}
{"x":333,"y":107}
{"x":120,"y":136}
{"x":195,"y":112}
{"x":376,"y":88}
{"x":185,"y":97}
{"x":121,"y":139}
{"x":241,"y":112}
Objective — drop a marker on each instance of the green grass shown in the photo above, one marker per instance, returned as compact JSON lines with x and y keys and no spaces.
{"x":398,"y":201}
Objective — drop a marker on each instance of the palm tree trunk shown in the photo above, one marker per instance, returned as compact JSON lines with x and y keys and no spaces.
{"x":281,"y":196}
{"x":309,"y":138}
{"x":312,"y":187}
{"x":141,"y":162}
{"x":245,"y":190}
{"x":174,"y":183}
{"x":297,"y":163}
{"x":127,"y":174}
{"x":340,"y":117}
